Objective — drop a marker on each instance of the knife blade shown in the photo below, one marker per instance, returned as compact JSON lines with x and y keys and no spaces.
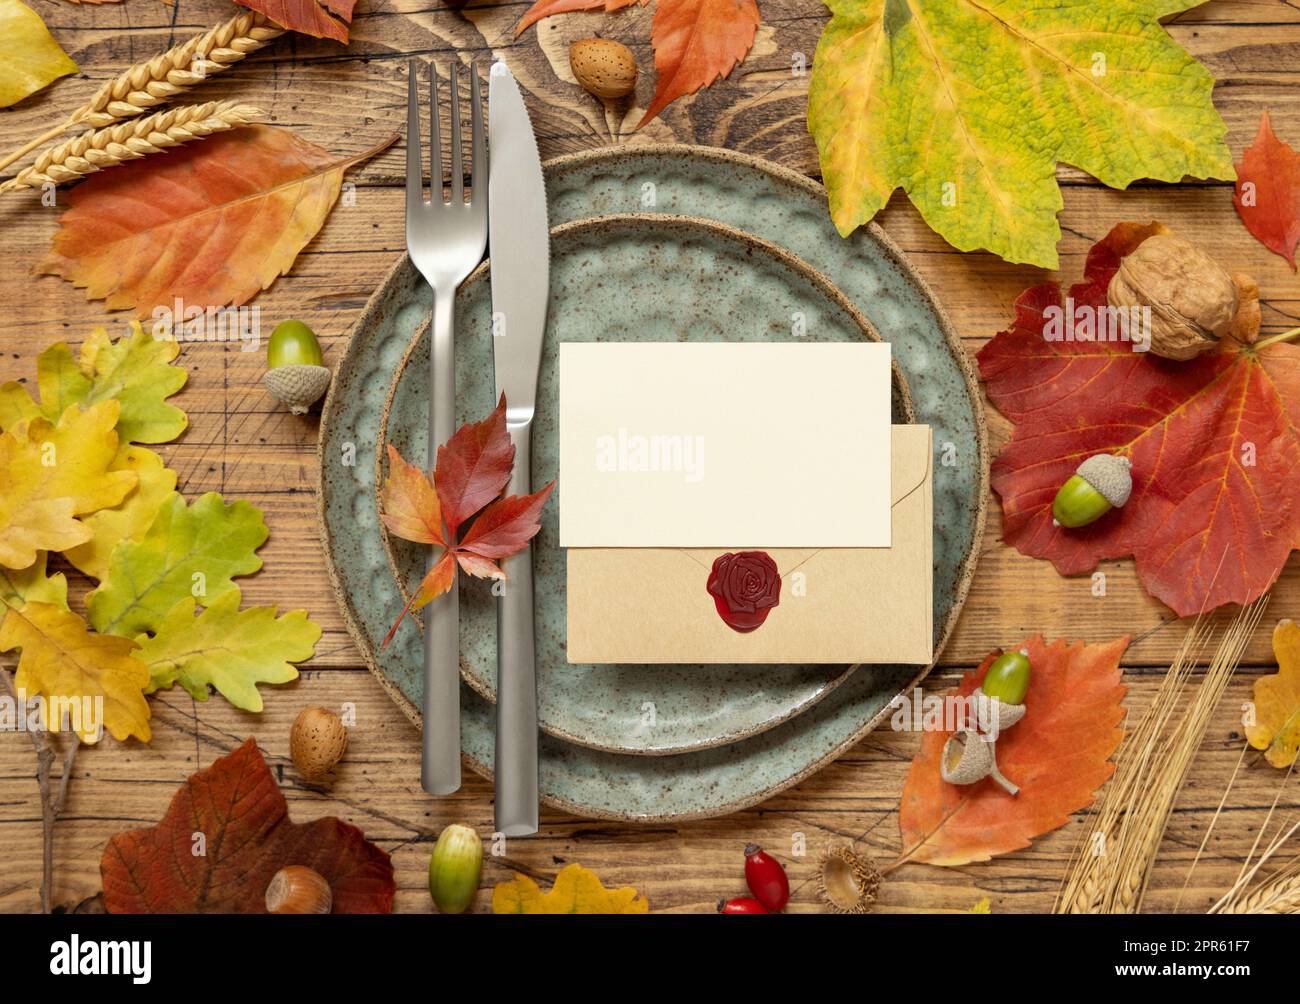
{"x":519,"y":254}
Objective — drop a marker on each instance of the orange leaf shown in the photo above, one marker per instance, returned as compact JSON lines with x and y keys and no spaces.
{"x":410,"y":505}
{"x":545,"y":8}
{"x":1059,"y":755}
{"x":210,"y":223}
{"x":435,"y":583}
{"x":308,"y":17}
{"x":483,"y":568}
{"x":697,"y":42}
{"x":1267,"y":195}
{"x":474,"y":467}
{"x":507,"y":525}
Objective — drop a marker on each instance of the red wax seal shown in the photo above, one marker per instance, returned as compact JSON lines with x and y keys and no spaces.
{"x":745,"y":586}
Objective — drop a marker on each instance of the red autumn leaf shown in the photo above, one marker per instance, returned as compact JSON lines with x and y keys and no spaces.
{"x":308,"y":17}
{"x":1058,"y":753}
{"x":1212,"y":443}
{"x":473,"y":467}
{"x":507,"y":525}
{"x":545,"y":8}
{"x":697,"y":42}
{"x":238,"y":809}
{"x":209,"y":224}
{"x":1267,"y":195}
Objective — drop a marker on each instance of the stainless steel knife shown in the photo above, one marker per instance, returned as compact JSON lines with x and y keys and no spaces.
{"x":519,"y":252}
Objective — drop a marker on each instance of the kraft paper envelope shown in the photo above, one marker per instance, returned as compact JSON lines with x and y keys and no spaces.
{"x":690,"y":444}
{"x":837,"y":605}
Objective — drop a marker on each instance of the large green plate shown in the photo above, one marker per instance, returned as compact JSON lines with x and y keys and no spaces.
{"x":773,"y":204}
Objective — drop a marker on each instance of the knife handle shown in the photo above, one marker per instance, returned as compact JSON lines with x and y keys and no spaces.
{"x":516,"y":743}
{"x":440,"y":763}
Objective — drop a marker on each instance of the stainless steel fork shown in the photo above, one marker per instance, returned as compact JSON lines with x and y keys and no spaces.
{"x":446,"y":240}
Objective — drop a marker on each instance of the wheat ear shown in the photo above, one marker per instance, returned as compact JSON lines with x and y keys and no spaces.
{"x":148,"y":84}
{"x":94,"y":151}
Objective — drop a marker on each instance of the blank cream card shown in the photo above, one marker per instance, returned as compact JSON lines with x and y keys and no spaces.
{"x":674,"y":444}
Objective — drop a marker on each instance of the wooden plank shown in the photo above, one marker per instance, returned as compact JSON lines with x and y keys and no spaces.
{"x":122,"y":787}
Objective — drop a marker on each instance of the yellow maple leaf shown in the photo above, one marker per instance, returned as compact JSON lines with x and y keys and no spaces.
{"x":1276,"y":729}
{"x":52,"y":474}
{"x":576,"y":890}
{"x":93,"y":678}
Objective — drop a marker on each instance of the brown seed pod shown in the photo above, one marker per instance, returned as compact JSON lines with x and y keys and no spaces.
{"x":298,"y":889}
{"x":316,"y":742}
{"x":603,"y":67}
{"x":848,"y":882}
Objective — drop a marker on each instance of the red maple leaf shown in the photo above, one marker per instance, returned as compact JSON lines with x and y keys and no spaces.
{"x":1267,"y":195}
{"x":318,"y":18}
{"x":473,"y":468}
{"x":247,"y":837}
{"x":696,"y":42}
{"x":1212,"y":442}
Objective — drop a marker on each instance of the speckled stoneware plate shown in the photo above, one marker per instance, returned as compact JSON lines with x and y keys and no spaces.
{"x":647,"y":278}
{"x":790,"y":210}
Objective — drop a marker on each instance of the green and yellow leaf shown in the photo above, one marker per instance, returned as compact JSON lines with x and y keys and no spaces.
{"x":227,"y":648}
{"x":32,"y":585}
{"x":968,"y":105}
{"x":131,"y":518}
{"x":71,"y":667}
{"x":189,"y":551}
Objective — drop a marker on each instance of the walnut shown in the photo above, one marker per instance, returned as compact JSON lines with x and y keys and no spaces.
{"x":1192,"y":299}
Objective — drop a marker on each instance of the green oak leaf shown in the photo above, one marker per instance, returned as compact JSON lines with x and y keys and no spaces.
{"x":32,"y":585}
{"x":136,"y":370}
{"x":968,"y":105}
{"x":230,"y":649}
{"x":192,"y":551}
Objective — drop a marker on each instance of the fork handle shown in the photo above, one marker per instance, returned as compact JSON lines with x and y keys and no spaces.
{"x":516,"y":745}
{"x":440,"y":767}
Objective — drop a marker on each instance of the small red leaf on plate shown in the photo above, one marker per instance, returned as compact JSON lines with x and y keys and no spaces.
{"x":436,"y":581}
{"x":1267,"y":195}
{"x":308,"y":17}
{"x":696,"y":42}
{"x":1213,"y":515}
{"x":482,"y":568}
{"x":410,"y":506}
{"x":507,"y":525}
{"x":473,"y":467}
{"x":240,"y":813}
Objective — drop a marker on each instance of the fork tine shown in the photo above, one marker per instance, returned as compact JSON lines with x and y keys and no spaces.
{"x":478,"y":147}
{"x":414,"y":175}
{"x":457,"y":161}
{"x":435,"y":145}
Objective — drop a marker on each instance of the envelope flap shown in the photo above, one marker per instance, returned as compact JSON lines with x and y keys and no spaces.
{"x":911,"y":460}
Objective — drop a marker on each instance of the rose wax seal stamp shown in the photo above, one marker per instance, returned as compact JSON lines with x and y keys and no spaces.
{"x":745,"y":586}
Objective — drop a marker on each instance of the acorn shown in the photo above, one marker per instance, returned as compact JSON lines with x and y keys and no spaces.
{"x":317,"y":742}
{"x":454,"y":868}
{"x":295,"y":367}
{"x":848,"y":882}
{"x":968,"y":758}
{"x":1000,"y":698}
{"x":298,"y":889}
{"x":1101,"y":483}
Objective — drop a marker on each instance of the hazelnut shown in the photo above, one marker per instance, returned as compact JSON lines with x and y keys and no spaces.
{"x":298,"y":889}
{"x":1192,"y":299}
{"x":604,"y":67}
{"x":316,"y":742}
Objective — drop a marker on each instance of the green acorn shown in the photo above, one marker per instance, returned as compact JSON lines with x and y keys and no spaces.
{"x":295,"y":367}
{"x":1101,"y":483}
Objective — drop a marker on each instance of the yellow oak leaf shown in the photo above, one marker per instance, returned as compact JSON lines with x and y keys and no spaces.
{"x":32,"y":585}
{"x":92,"y":678}
{"x":576,"y":890}
{"x":131,"y":518}
{"x":52,"y":474}
{"x":983,"y":906}
{"x":1276,"y":729}
{"x":29,"y":58}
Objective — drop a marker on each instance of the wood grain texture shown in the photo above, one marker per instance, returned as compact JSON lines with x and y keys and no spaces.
{"x":239,"y":442}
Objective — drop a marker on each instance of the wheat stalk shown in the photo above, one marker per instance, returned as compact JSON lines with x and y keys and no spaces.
{"x":1111,"y":876}
{"x":1279,"y":895}
{"x":102,"y":148}
{"x":156,"y":80}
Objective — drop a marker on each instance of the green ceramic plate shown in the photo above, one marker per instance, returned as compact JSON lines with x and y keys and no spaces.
{"x":622,"y":278}
{"x":771,"y":203}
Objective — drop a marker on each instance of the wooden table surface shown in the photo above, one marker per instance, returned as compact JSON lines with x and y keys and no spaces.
{"x":240,"y":443}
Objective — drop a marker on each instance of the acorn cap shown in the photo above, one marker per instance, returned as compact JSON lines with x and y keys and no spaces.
{"x":966,"y":758}
{"x":298,"y":385}
{"x":994,"y":714}
{"x":1110,"y":475}
{"x":848,"y":882}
